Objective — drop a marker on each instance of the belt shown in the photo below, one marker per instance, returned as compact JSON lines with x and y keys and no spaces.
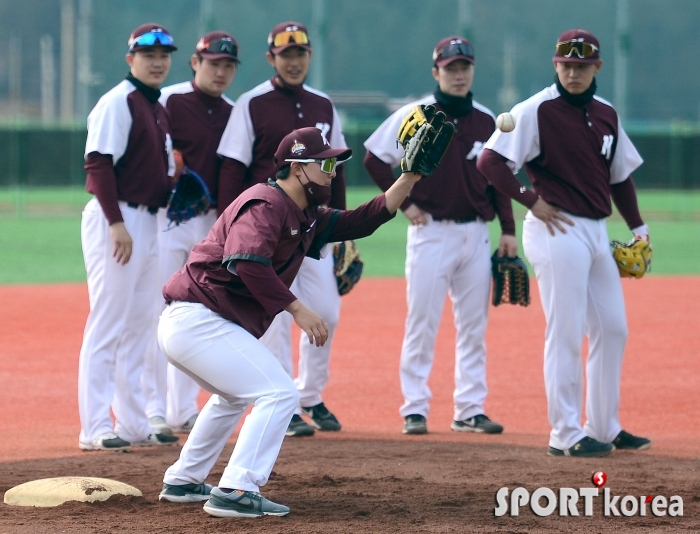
{"x":150,"y":209}
{"x":458,"y":221}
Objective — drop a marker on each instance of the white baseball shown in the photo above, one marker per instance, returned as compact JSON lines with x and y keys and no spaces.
{"x":505,"y":122}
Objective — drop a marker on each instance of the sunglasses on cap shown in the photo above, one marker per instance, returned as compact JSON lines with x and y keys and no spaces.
{"x":290,"y":37}
{"x":328,"y":165}
{"x":220,"y":46}
{"x":151,"y":39}
{"x":583,"y":50}
{"x":455,"y":48}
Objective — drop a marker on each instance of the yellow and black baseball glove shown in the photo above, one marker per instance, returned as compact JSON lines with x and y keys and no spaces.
{"x":424,"y":135}
{"x":633,"y":258}
{"x":190,"y":197}
{"x":347,"y":265}
{"x":511,"y":281}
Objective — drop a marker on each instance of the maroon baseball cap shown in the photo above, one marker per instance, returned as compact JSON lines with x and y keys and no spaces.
{"x":288,"y":34}
{"x":577,"y":46}
{"x":150,"y":34}
{"x":305,"y":145}
{"x":451,"y":49}
{"x":217,"y":45}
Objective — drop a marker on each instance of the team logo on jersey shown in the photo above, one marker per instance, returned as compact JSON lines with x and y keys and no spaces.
{"x":476,"y":150}
{"x":298,"y":148}
{"x":607,"y":146}
{"x":325,"y":128}
{"x":294,"y":231}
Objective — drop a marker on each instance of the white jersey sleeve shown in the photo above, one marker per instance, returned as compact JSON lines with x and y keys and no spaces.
{"x":382,"y":143}
{"x":109,"y":123}
{"x":626,"y":159}
{"x":176,"y":89}
{"x":337,"y":139}
{"x":239,"y":135}
{"x":523,"y":143}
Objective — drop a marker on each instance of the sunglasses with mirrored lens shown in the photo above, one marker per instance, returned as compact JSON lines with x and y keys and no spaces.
{"x":328,"y":165}
{"x":222,"y":46}
{"x":583,"y":50}
{"x":456,"y":49}
{"x":151,"y":39}
{"x":292,"y":36}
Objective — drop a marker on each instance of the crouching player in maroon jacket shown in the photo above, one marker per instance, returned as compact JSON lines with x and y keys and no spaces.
{"x":234,"y":283}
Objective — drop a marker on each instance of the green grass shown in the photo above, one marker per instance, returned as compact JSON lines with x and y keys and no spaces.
{"x":40,"y":234}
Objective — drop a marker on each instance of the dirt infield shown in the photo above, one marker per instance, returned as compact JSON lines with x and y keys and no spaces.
{"x":369,"y":476}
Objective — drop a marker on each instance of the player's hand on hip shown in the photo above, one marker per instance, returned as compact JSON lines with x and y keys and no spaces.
{"x":551,"y":216}
{"x":414,"y":214}
{"x":310,"y":322}
{"x":508,"y":246}
{"x":123,"y":243}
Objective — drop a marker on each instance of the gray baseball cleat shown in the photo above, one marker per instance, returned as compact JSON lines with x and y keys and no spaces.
{"x":584,"y":448}
{"x":241,"y":503}
{"x":321,"y":417}
{"x":157,"y":439}
{"x":415,"y":424}
{"x":185,"y":492}
{"x":298,"y":427}
{"x":158,"y":424}
{"x":106,"y":442}
{"x":628,"y":442}
{"x":478,"y":423}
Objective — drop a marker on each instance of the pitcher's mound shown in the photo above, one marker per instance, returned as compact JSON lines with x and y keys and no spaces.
{"x":55,"y":491}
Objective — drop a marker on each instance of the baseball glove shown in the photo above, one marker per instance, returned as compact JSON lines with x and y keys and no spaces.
{"x":511,"y":282}
{"x":347,"y":265}
{"x":189,"y":198}
{"x":633,"y":258}
{"x":424,"y":135}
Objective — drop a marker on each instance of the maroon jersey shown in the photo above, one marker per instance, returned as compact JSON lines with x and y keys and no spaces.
{"x":264,"y":225}
{"x":197,"y":121}
{"x":456,"y":190}
{"x":259,"y":122}
{"x":572,"y":154}
{"x":128,"y":149}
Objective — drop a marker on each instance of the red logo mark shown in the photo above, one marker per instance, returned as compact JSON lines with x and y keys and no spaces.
{"x":599,"y":479}
{"x":649,"y":498}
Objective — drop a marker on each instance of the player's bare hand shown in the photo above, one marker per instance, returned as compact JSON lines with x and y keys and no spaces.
{"x":508,"y":246}
{"x":414,"y":214}
{"x":123,"y":244}
{"x":310,"y":322}
{"x":551,"y":216}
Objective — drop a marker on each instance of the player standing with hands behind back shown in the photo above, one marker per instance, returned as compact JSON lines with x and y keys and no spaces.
{"x":128,"y":159}
{"x":576,"y":155}
{"x":260,"y":120}
{"x":199,"y":112}
{"x":448,"y":244}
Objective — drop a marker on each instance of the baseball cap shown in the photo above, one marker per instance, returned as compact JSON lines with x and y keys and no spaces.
{"x":307,"y":144}
{"x":150,"y":34}
{"x":577,"y":46}
{"x":288,"y":34}
{"x":451,"y":49}
{"x":217,"y":45}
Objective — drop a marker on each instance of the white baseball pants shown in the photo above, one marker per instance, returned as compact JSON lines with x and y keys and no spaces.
{"x":444,"y":257}
{"x":169,"y":392}
{"x":581,"y":295}
{"x":116,"y":338}
{"x":232,"y":364}
{"x":316,"y":287}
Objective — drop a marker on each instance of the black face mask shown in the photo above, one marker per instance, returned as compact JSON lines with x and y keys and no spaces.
{"x":457,"y":106}
{"x":580,"y":100}
{"x":316,"y":194}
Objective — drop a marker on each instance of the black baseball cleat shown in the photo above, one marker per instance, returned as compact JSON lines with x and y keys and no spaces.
{"x":298,"y":427}
{"x":415,"y":424}
{"x":585,"y":448}
{"x":478,"y":423}
{"x":627,"y":442}
{"x":321,"y":417}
